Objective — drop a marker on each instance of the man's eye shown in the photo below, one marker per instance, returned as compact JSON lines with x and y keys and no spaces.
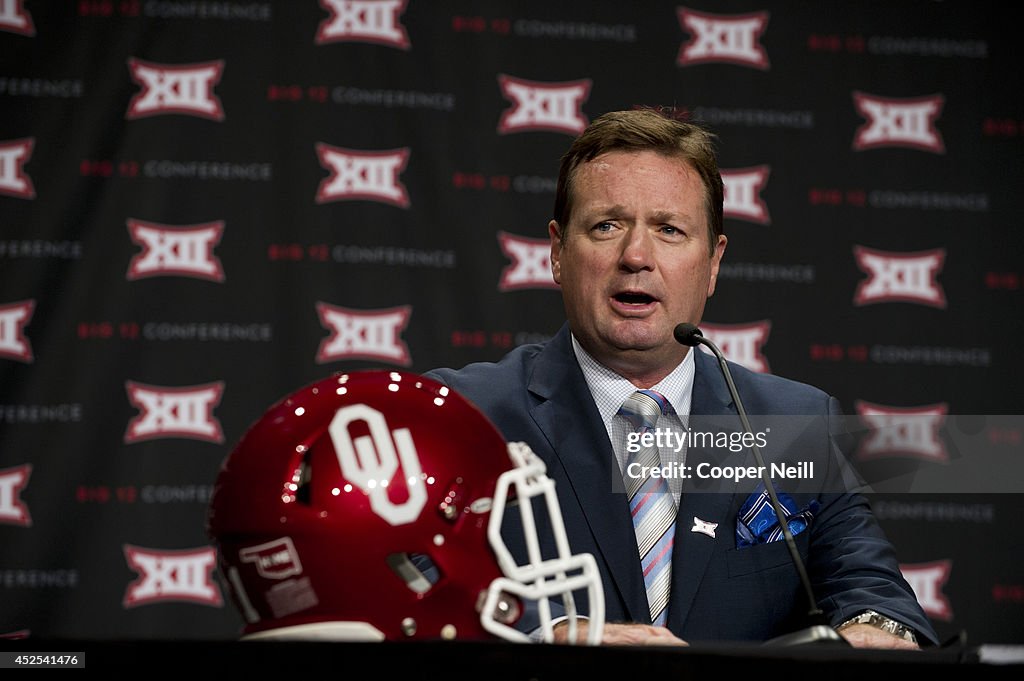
{"x":603,"y":227}
{"x":669,"y":229}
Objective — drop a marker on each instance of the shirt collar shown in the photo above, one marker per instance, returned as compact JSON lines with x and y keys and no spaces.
{"x":610,"y":390}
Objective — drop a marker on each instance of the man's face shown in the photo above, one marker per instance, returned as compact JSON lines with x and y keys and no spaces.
{"x":635,"y":261}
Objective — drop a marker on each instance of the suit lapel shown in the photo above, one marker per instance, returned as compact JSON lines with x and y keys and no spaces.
{"x":570,"y":422}
{"x":693,"y":546}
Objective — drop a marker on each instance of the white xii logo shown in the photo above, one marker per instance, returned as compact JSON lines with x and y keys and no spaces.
{"x":531,"y":263}
{"x":174,"y":412}
{"x":370,"y":175}
{"x":13,"y":180}
{"x":171,"y":576}
{"x":741,"y":343}
{"x":743,"y":194}
{"x":900,"y":277}
{"x":902,"y":431}
{"x":175,"y":89}
{"x":373,"y":335}
{"x":13,"y":318}
{"x":185,"y":250}
{"x":555,"y":107}
{"x":927,"y":580}
{"x":898,"y":122}
{"x":13,"y":510}
{"x":368,"y":21}
{"x":729,"y":39}
{"x":15,"y":19}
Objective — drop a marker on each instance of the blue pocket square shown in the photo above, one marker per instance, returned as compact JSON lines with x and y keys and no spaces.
{"x":756,"y":522}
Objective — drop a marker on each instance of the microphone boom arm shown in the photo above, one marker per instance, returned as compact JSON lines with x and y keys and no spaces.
{"x":690,"y":335}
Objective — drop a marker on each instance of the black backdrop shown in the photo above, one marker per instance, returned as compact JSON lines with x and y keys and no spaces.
{"x":205,"y":205}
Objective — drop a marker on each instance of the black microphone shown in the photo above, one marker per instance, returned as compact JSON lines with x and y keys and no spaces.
{"x":819,"y":631}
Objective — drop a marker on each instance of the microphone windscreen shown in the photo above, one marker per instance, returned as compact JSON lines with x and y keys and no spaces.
{"x":688,"y":334}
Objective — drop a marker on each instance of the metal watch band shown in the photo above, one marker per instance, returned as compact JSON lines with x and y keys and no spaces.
{"x":882,"y":622}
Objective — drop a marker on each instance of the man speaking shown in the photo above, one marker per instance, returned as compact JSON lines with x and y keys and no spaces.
{"x":636,"y":243}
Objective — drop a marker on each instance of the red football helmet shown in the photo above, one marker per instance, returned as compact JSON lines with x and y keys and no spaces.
{"x":369,"y":506}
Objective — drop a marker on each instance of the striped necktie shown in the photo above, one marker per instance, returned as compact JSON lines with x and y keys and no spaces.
{"x":650,"y":502}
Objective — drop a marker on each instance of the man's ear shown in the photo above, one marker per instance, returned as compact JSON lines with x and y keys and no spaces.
{"x":556,"y":251}
{"x":716,"y":261}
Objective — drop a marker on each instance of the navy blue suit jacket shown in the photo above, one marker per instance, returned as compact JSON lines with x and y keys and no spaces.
{"x":537,"y":394}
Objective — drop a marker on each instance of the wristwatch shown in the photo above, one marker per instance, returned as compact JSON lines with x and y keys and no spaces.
{"x":882,"y":622}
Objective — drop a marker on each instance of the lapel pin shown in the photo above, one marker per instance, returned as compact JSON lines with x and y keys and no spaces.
{"x":703,"y":527}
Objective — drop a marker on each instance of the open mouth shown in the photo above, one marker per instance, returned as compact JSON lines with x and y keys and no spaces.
{"x":634,"y":298}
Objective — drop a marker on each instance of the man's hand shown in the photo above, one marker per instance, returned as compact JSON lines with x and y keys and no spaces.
{"x":622,"y":634}
{"x":867,"y":636}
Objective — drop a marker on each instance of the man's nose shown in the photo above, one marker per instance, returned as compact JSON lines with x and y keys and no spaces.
{"x":637,"y":250}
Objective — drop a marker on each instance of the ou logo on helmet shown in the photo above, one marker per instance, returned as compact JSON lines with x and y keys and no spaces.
{"x":370,"y":462}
